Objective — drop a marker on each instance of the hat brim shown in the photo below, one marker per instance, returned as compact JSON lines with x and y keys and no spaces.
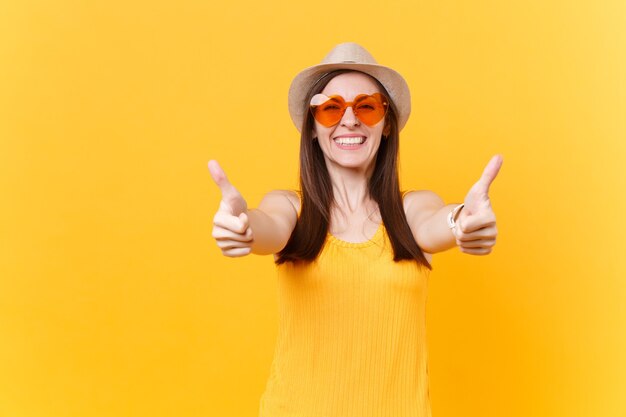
{"x":394,"y":83}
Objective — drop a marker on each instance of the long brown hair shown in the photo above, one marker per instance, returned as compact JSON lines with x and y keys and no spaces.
{"x":309,"y":235}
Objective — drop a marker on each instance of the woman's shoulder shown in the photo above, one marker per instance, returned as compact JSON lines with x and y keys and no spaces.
{"x":283,"y":198}
{"x":418,"y":200}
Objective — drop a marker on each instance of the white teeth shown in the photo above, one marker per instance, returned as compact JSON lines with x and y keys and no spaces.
{"x":350,"y":140}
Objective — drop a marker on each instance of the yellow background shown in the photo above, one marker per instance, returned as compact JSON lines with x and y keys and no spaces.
{"x":114,"y":300}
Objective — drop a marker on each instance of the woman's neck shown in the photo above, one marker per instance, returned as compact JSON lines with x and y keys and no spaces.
{"x":351,"y":189}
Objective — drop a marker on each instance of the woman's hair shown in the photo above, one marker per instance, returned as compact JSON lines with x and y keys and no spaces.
{"x":307,"y":239}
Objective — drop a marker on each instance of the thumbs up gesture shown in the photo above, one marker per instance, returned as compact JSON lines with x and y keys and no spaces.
{"x":475,"y":229}
{"x":231,"y":227}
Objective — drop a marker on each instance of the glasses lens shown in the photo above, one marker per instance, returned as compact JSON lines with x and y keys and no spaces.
{"x":370,"y":109}
{"x":328,"y":111}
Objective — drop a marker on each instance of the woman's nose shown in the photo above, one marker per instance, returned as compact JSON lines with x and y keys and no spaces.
{"x":349,"y":119}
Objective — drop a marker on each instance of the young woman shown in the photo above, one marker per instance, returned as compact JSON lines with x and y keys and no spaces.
{"x":352,"y":251}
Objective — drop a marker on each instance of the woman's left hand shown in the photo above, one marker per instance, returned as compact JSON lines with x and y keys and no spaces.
{"x":475,"y":229}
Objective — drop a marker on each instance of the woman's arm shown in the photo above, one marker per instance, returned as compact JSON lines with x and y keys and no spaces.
{"x":239,"y":231}
{"x":475,"y":231}
{"x":273,"y":222}
{"x":426,"y":213}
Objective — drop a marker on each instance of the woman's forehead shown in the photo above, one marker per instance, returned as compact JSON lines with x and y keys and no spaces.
{"x":350,"y":85}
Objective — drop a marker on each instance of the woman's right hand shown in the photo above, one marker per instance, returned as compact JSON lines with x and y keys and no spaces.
{"x":231,"y":226}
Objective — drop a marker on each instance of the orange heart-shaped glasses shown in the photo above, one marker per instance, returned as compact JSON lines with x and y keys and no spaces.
{"x":328,"y":111}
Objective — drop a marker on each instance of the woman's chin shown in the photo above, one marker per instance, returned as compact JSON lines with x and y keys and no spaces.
{"x":353,"y":163}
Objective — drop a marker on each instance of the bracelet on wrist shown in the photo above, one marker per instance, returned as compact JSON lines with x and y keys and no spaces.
{"x":453,"y":215}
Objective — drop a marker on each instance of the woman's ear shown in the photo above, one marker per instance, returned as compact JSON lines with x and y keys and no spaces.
{"x":313,"y":134}
{"x":387,"y":130}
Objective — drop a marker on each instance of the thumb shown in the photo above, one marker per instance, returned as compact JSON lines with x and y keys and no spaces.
{"x":230,"y":195}
{"x":489,"y":174}
{"x":478,"y":196}
{"x":218,"y":175}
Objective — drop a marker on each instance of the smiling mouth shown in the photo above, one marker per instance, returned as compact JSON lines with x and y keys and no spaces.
{"x":349,"y":140}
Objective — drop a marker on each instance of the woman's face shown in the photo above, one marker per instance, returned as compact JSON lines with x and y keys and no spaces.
{"x":339,"y":151}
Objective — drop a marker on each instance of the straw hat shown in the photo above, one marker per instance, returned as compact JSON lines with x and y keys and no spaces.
{"x":355,"y":57}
